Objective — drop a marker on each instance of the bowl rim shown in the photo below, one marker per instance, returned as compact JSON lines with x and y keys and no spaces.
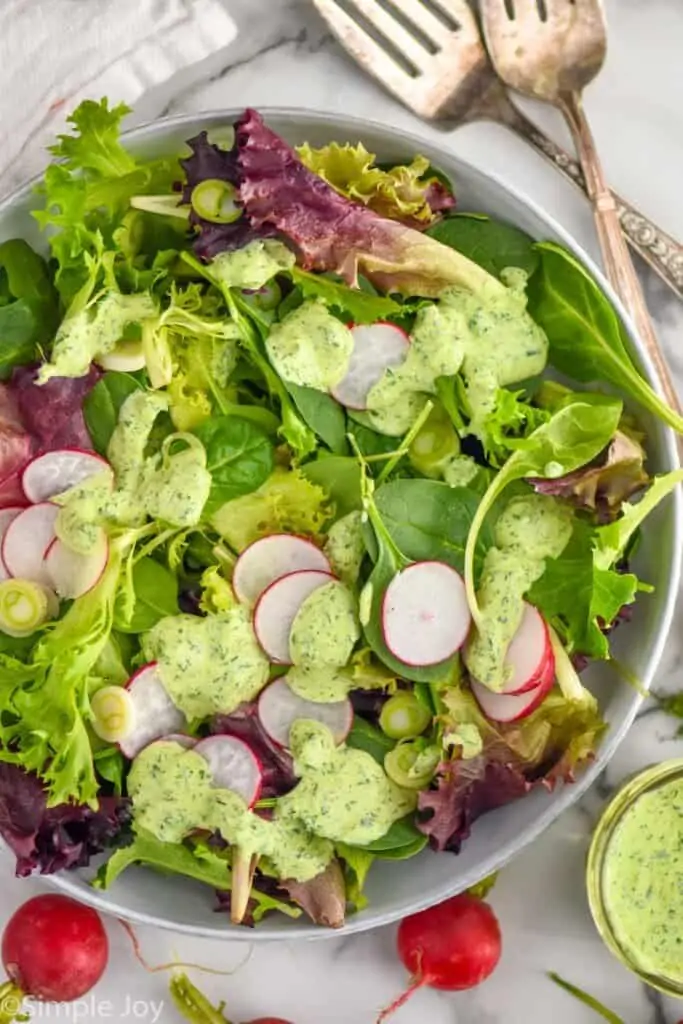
{"x":412,"y":141}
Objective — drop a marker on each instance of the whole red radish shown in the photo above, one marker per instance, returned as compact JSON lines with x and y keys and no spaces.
{"x":453,"y":946}
{"x":54,"y":949}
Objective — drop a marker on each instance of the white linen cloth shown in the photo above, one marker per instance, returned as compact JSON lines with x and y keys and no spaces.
{"x":54,"y":53}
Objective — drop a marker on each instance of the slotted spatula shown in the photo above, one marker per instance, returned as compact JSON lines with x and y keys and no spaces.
{"x":430,"y":54}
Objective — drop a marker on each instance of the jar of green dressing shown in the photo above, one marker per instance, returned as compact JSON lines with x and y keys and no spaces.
{"x":635,"y":876}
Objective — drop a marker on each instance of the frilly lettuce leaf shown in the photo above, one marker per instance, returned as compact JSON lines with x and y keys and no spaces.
{"x":407,"y":192}
{"x":286,"y":503}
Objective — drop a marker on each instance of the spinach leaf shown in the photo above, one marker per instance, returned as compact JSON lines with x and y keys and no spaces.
{"x":110,"y":765}
{"x":340,"y":478}
{"x":28,"y":305}
{"x":101,"y":406}
{"x":359,"y":305}
{"x":369,"y":441}
{"x":493,"y":244}
{"x":389,"y":562}
{"x":367,"y":737}
{"x":428,"y":520}
{"x":403,"y":834}
{"x":323,"y":415}
{"x":240,"y":458}
{"x":156,"y":596}
{"x":572,"y":437}
{"x":588,"y":342}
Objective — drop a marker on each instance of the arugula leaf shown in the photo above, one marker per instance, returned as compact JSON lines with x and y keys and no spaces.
{"x":323,"y":415}
{"x":102,"y":404}
{"x":429,"y":520}
{"x":578,"y":597}
{"x":588,"y":342}
{"x":359,"y":306}
{"x":176,"y":858}
{"x":239,"y":455}
{"x":613,"y":540}
{"x":155,"y":595}
{"x":28,"y":305}
{"x":493,"y":244}
{"x":573,"y":436}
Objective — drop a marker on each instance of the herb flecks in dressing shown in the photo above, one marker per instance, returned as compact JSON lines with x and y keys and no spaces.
{"x":321,"y":685}
{"x":488,"y":337}
{"x":325,"y":628}
{"x":345,"y":547}
{"x":208,"y":665}
{"x":642,"y":881}
{"x":253,"y":266}
{"x":94,"y":331}
{"x":530,"y":529}
{"x":310,"y":347}
{"x":344,"y":795}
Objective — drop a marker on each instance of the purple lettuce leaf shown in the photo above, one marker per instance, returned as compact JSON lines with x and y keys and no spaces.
{"x":276,"y":764}
{"x":328,"y":231}
{"x":50,"y":839}
{"x":52,"y":413}
{"x":323,"y":898}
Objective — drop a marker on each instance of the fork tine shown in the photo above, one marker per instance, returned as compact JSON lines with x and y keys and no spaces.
{"x":365,"y":50}
{"x":392,"y":30}
{"x":423,"y":19}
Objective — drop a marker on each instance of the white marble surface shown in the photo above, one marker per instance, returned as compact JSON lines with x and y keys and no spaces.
{"x":284,"y":56}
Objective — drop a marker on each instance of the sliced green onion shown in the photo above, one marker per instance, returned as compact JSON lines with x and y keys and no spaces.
{"x":25,"y":607}
{"x":410,"y":767}
{"x":113,"y":713}
{"x":403,"y":717}
{"x":166,"y":205}
{"x":266,"y":298}
{"x":215,"y":200}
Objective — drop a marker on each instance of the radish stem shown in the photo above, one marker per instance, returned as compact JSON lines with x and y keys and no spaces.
{"x":243,"y":870}
{"x":415,"y":984}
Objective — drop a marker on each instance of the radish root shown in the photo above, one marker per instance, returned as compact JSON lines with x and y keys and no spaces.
{"x":418,"y":982}
{"x":175,"y":964}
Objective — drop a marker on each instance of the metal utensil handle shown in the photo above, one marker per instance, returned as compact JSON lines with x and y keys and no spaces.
{"x":663,"y":253}
{"x":618,"y":263}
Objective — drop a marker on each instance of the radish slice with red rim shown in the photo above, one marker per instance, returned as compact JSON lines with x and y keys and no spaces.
{"x":277,"y":608}
{"x":55,"y":472}
{"x":279,"y":708}
{"x":425,"y":615}
{"x":155,"y":713}
{"x":7,"y":515}
{"x":509,"y":707}
{"x":182,"y":739}
{"x":26,"y":541}
{"x":376,"y":348}
{"x":233,"y":765}
{"x":529,"y":652}
{"x":271,"y":558}
{"x":73,"y":574}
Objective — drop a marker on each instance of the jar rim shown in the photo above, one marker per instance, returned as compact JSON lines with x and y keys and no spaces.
{"x":627,"y":795}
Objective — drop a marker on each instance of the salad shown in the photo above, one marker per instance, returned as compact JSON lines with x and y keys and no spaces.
{"x":303,"y":542}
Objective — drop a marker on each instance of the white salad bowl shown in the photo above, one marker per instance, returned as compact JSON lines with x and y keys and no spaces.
{"x":397,"y":888}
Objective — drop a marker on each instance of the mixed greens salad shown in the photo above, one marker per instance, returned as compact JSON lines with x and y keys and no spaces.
{"x":303,"y":549}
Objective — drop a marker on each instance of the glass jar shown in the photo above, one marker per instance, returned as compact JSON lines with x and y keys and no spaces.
{"x":608,"y":851}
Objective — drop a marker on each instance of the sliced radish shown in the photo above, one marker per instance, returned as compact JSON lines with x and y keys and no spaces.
{"x":234,"y":766}
{"x":55,"y":472}
{"x":73,"y":574}
{"x":7,"y":515}
{"x":376,"y":347}
{"x":279,"y":708}
{"x":277,"y":608}
{"x":155,"y":713}
{"x":182,"y":739}
{"x":509,"y":707}
{"x":425,"y":615}
{"x":26,"y":540}
{"x":270,"y":559}
{"x":530,"y":655}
